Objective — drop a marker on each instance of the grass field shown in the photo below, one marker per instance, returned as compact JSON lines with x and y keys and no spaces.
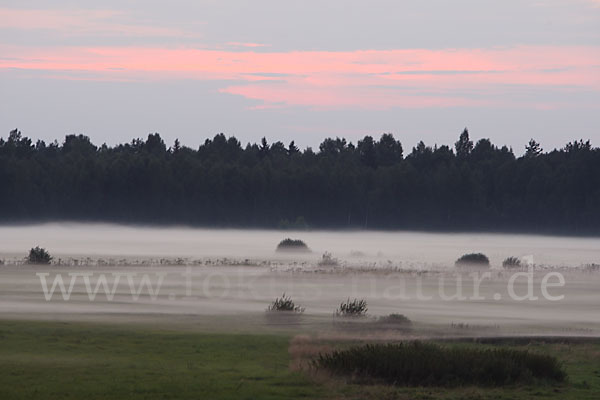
{"x":57,"y":360}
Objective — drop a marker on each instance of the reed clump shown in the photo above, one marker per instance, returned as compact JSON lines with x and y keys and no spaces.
{"x":429,"y":364}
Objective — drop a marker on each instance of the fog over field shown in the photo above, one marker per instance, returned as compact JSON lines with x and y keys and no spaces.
{"x":405,"y":248}
{"x":209,"y":277}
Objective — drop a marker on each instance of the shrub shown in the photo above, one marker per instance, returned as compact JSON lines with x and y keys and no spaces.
{"x":352,"y":308}
{"x":285,"y":303}
{"x":38,"y":255}
{"x":396,"y":319}
{"x":328,"y":260}
{"x":428,"y":364}
{"x":592,"y":267}
{"x":473,"y":259}
{"x":357,"y":253}
{"x":293,"y":245}
{"x":512,"y":262}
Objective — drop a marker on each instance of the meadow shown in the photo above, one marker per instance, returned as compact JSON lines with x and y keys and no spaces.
{"x":180,"y":313}
{"x":58,"y":360}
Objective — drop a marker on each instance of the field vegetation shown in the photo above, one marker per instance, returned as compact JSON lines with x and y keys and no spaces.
{"x":395,"y":320}
{"x":352,"y":308}
{"x":58,"y":360}
{"x":285,"y":304}
{"x":39,"y":255}
{"x":473,"y":260}
{"x":429,"y":364}
{"x":292,"y":245}
{"x":511,"y":263}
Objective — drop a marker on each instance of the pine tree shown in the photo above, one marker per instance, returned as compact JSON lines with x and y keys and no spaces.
{"x":533,"y":149}
{"x":464,"y":146}
{"x":292,"y":148}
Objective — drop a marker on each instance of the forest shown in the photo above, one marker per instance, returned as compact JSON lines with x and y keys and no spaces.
{"x":373,"y":184}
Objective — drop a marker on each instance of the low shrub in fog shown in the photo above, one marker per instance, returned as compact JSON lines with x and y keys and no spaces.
{"x":357,"y":254}
{"x":473,"y":259}
{"x":352,"y":308}
{"x":285,"y":303}
{"x":428,"y":364}
{"x":512,"y":262}
{"x":38,"y":255}
{"x":397,"y":320}
{"x":292,"y":245}
{"x":592,"y":267}
{"x":328,"y":260}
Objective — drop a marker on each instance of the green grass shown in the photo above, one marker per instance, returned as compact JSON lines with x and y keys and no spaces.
{"x":86,"y":361}
{"x":55,"y":360}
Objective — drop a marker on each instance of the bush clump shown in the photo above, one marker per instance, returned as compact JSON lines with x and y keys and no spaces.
{"x":428,"y":364}
{"x":473,"y":259}
{"x":285,"y":303}
{"x":512,"y":262}
{"x":38,"y":255}
{"x":327,"y":260}
{"x":592,"y":267}
{"x":292,"y":245}
{"x":398,"y":320}
{"x":352,"y":308}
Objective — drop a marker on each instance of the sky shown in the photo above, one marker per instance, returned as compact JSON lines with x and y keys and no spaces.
{"x":305,"y":70}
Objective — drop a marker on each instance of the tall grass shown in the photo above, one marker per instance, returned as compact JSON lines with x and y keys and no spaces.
{"x":511,"y":262}
{"x":352,"y":308}
{"x":285,"y":303}
{"x":429,"y":364}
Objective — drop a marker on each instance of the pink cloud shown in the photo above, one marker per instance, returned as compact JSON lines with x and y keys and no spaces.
{"x":80,"y":22}
{"x":369,"y":78}
{"x":244,"y":44}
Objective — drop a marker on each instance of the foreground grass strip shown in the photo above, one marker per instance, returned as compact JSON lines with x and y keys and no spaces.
{"x":428,"y":364}
{"x":51,"y":360}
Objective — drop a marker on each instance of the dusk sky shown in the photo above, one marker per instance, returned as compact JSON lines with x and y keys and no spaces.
{"x":304,"y":70}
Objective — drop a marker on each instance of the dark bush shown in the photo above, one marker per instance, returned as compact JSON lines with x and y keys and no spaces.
{"x":473,"y":259}
{"x":428,"y":364}
{"x":512,"y":262}
{"x":352,"y":308}
{"x":398,"y":320}
{"x":292,"y":245}
{"x":39,"y":255}
{"x":285,"y":303}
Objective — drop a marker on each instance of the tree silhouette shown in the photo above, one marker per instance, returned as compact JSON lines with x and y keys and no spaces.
{"x":366,"y":150}
{"x":388,"y":150}
{"x":292,"y":149}
{"x":221,"y":183}
{"x":464,"y":145}
{"x":533,"y":149}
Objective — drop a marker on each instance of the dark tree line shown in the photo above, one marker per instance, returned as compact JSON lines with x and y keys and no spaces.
{"x":373,"y":184}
